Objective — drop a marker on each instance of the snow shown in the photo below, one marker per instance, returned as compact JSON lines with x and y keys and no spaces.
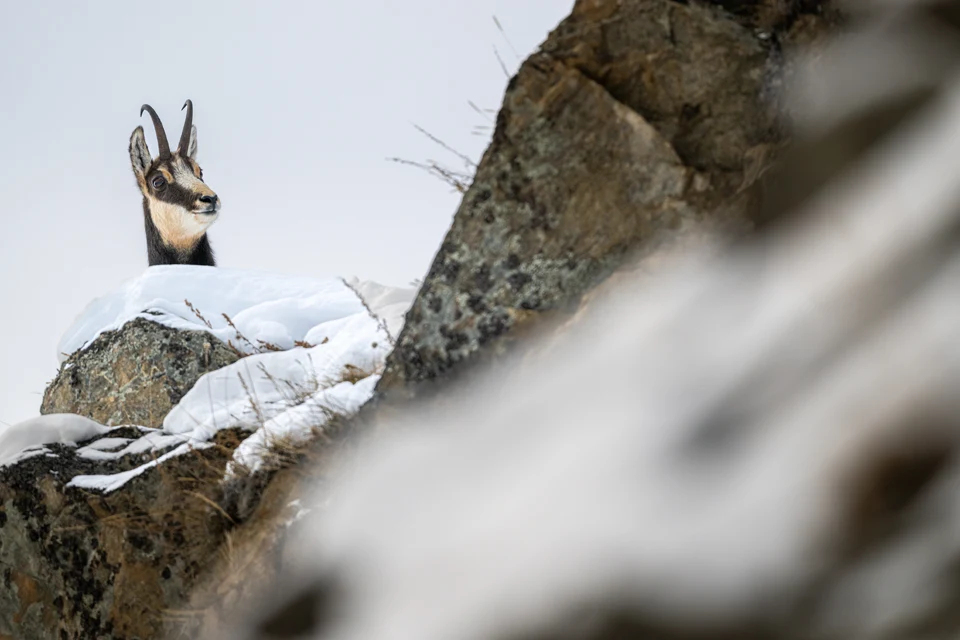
{"x":297,"y":423}
{"x":25,"y":439}
{"x":299,"y":515}
{"x":154,"y":440}
{"x":390,"y":304}
{"x":265,"y":307}
{"x":112,"y":482}
{"x":259,"y":387}
{"x":30,"y":452}
{"x":285,"y":394}
{"x":343,"y":343}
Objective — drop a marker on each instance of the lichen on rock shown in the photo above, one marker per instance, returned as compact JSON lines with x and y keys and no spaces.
{"x":79,"y":564}
{"x":634,"y":124}
{"x":134,"y":375}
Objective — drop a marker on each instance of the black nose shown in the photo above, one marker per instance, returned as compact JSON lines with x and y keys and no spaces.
{"x":209,"y":199}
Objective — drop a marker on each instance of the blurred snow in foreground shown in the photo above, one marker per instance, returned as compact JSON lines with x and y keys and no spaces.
{"x":765,"y":445}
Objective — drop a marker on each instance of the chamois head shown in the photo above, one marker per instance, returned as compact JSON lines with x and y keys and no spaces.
{"x":178,"y":207}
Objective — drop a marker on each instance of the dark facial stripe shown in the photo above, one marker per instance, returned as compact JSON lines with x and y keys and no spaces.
{"x":173,"y":192}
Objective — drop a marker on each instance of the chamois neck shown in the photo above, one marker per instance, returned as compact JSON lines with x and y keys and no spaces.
{"x":159,"y":252}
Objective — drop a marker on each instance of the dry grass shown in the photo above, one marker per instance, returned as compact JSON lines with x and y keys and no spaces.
{"x":156,"y":537}
{"x":197,"y":313}
{"x":283,"y":451}
{"x":261,"y":346}
{"x":186,"y":520}
{"x":250,"y":553}
{"x":459,"y":179}
{"x":380,"y":321}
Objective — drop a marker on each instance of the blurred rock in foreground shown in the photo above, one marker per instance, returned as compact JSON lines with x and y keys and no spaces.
{"x":760,"y":444}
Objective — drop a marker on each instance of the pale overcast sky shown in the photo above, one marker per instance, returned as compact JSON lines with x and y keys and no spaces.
{"x":298,"y":105}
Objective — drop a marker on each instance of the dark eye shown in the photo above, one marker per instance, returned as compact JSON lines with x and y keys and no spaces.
{"x":159,"y":182}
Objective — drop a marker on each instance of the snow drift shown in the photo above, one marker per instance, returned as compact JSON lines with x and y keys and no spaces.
{"x":264,"y":308}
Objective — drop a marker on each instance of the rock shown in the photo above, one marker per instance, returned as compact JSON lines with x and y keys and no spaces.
{"x":115,"y":552}
{"x":636,"y":123}
{"x":84,"y":564}
{"x":78,"y":564}
{"x":761,"y":445}
{"x":134,"y":375}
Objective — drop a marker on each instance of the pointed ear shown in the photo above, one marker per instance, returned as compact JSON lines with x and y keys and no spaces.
{"x":192,"y":145}
{"x":139,"y":154}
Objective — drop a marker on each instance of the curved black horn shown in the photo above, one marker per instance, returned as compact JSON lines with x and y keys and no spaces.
{"x":187,"y":125}
{"x":158,"y":126}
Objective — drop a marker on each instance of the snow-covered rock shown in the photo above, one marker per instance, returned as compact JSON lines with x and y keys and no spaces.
{"x":112,"y":564}
{"x":315,"y":349}
{"x":286,"y":394}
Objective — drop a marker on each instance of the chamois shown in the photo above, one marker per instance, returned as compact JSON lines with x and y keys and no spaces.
{"x":178,"y":207}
